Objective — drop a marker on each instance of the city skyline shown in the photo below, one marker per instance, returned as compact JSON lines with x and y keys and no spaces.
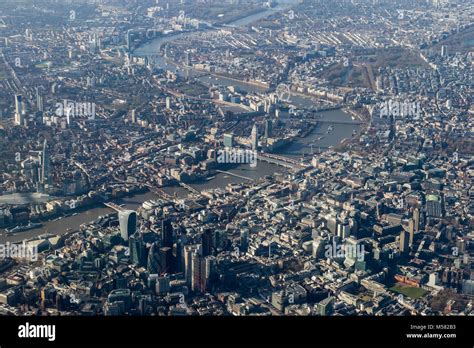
{"x":237,"y":158}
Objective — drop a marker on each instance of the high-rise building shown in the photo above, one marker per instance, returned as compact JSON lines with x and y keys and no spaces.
{"x":153,"y":263}
{"x":254,"y":137}
{"x":197,"y":272}
{"x":416,"y":219}
{"x":40,"y":103}
{"x":325,"y":307}
{"x":166,"y":260}
{"x":163,"y":285}
{"x":129,"y":40}
{"x":19,"y":119}
{"x":331,"y":222}
{"x":128,"y":223}
{"x":188,"y":58}
{"x":411,"y":231}
{"x":343,"y":229}
{"x":268,"y":106}
{"x":404,"y":242}
{"x":92,"y":46}
{"x":209,"y":271}
{"x":91,"y":81}
{"x":244,"y":240}
{"x":268,"y":128}
{"x":203,"y":270}
{"x":166,"y":233}
{"x":137,"y":249}
{"x":207,"y":240}
{"x":189,"y":252}
{"x":444,"y":51}
{"x":179,"y":256}
{"x":28,"y":34}
{"x":45,"y":165}
{"x":228,"y":139}
{"x":39,"y":100}
{"x":319,"y":247}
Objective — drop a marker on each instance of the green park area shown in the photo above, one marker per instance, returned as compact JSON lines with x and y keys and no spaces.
{"x":409,"y":291}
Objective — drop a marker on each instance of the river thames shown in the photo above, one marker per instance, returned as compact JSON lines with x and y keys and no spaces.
{"x":319,"y":139}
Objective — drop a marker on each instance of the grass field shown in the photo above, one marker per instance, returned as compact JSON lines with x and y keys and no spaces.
{"x":409,"y":291}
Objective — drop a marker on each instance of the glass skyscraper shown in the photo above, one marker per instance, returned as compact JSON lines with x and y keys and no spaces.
{"x":128,"y":223}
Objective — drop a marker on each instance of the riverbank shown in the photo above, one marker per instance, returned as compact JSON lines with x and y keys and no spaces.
{"x":233,"y":78}
{"x":318,"y":137}
{"x":202,"y":73}
{"x":23,"y":198}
